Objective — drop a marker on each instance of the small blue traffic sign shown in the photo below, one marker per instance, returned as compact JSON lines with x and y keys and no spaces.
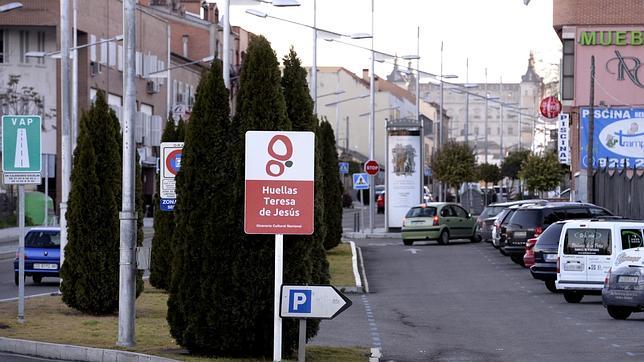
{"x":299,"y":301}
{"x":312,"y":301}
{"x":360,"y":181}
{"x":344,"y":167}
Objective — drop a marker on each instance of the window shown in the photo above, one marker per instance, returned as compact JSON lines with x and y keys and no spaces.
{"x":631,"y":238}
{"x":577,"y":213}
{"x":40,"y":45}
{"x":446,"y":212}
{"x":510,"y":131}
{"x":421,"y":212}
{"x":527,"y":219}
{"x":550,"y":237}
{"x":587,"y":242}
{"x":3,"y":43}
{"x":43,"y":239}
{"x":459,"y":211}
{"x":24,"y":46}
{"x":552,"y":216}
{"x":568,"y":70}
{"x":595,"y":212}
{"x":476,"y":131}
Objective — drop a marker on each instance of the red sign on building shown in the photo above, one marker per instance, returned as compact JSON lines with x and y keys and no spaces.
{"x":279,"y":182}
{"x":550,"y":107}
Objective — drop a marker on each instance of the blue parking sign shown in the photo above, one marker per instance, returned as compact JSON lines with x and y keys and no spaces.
{"x":299,"y":301}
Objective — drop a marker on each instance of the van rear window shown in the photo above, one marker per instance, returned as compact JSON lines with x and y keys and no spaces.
{"x":631,"y":238}
{"x":587,"y":242}
{"x":43,"y":239}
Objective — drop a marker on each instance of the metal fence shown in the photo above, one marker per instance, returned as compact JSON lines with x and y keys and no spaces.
{"x":621,"y":191}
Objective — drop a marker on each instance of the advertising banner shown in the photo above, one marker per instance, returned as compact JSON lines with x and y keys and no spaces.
{"x":563,"y":143}
{"x":279,"y":182}
{"x":403,"y":175}
{"x":618,"y":139}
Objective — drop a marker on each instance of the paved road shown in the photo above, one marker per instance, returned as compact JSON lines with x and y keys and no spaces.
{"x":466,"y":302}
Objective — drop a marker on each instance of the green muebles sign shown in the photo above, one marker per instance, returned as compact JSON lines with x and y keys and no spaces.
{"x":610,"y":37}
{"x":21,"y":149}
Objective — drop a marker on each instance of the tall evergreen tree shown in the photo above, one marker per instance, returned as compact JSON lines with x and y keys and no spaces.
{"x":332,"y":187}
{"x":261,"y":107}
{"x":162,"y":241}
{"x":302,"y":263}
{"x":91,"y":270}
{"x":202,"y":291}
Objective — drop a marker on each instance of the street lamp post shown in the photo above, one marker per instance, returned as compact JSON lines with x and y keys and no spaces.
{"x":65,"y":103}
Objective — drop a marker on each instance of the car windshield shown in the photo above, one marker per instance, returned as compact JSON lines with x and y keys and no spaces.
{"x":527,"y":218}
{"x":491,"y":211}
{"x":421,"y":212}
{"x":550,"y":237}
{"x":43,"y":239}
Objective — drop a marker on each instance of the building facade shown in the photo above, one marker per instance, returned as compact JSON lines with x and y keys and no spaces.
{"x":612,"y":35}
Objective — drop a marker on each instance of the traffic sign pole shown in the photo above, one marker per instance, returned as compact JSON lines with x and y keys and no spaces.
{"x":301,"y":347}
{"x":21,"y":251}
{"x":277,"y":320}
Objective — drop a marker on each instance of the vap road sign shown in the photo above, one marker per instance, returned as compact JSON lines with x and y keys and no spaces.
{"x":360,"y":181}
{"x":312,"y":301}
{"x":279,"y":182}
{"x":171,"y":153}
{"x":21,"y":149}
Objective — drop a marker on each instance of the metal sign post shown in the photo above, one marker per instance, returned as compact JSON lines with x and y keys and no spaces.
{"x":279,"y":191}
{"x":21,"y":164}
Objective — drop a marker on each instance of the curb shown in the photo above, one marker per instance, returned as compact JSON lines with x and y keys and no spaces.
{"x":73,"y":353}
{"x":362,"y":235}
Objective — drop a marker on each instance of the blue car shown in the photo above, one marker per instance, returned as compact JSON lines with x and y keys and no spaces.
{"x":42,"y":254}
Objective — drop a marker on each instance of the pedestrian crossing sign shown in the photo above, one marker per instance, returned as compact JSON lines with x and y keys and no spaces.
{"x":21,"y":149}
{"x":360,"y":181}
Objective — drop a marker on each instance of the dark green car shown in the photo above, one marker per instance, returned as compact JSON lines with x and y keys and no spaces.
{"x":439,"y":221}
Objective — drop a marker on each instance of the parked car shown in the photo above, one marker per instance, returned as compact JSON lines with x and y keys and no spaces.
{"x":42,"y":254}
{"x":530,"y":221}
{"x":439,"y":221}
{"x":380,"y":203}
{"x":500,"y":233}
{"x":623,"y":291}
{"x":587,"y":249}
{"x":545,"y":256}
{"x":485,"y":221}
{"x":528,"y":257}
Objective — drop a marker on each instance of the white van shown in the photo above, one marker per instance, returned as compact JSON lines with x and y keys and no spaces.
{"x":586,"y":251}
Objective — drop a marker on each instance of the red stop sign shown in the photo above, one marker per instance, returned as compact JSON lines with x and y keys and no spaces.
{"x":550,"y":107}
{"x":371,"y":167}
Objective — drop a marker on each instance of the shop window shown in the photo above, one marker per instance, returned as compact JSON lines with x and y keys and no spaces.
{"x":567,"y":73}
{"x":24,"y":46}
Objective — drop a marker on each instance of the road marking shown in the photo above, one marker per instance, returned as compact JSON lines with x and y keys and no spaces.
{"x":589,"y":330}
{"x":615,"y":345}
{"x":630,"y":354}
{"x":375,"y":335}
{"x":602,"y":338}
{"x":413,"y":251}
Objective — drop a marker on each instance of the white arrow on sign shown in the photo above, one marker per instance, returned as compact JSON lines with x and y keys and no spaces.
{"x":312,"y":301}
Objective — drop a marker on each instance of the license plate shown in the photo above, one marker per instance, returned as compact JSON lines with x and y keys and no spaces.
{"x":550,"y":257}
{"x":627,"y":279}
{"x":520,"y":234}
{"x":45,"y":266}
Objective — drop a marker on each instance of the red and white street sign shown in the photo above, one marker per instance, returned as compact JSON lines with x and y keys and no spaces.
{"x":371,"y":167}
{"x":550,"y":107}
{"x":279,"y":182}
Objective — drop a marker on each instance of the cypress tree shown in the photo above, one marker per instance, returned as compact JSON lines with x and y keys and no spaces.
{"x":91,"y":270}
{"x":202,"y":290}
{"x":332,"y":187}
{"x":161,"y":258}
{"x":260,"y":107}
{"x":303,"y":264}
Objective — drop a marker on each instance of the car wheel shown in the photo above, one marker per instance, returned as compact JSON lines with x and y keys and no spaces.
{"x":408,"y":242}
{"x":518,"y":259}
{"x":618,"y":312}
{"x":443,"y":239}
{"x":502,"y":252}
{"x":573,"y":297}
{"x":476,"y":238}
{"x":37,"y":279}
{"x":550,"y":285}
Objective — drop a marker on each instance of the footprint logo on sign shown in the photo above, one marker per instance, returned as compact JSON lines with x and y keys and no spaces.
{"x":280,"y":149}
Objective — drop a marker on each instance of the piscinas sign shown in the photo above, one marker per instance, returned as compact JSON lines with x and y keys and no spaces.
{"x":618,"y":137}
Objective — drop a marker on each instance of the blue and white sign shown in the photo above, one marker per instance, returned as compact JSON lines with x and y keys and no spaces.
{"x":312,"y":301}
{"x":618,"y":137}
{"x":360,"y":181}
{"x":344,"y":167}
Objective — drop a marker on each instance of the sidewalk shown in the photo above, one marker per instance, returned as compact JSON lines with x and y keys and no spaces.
{"x":377,"y":233}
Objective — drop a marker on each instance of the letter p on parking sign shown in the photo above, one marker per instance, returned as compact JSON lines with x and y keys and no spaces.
{"x":299,"y":301}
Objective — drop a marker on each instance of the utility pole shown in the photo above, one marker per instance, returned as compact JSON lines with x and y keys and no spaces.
{"x":591,"y":132}
{"x":65,"y":114}
{"x":467,"y":103}
{"x":486,"y":97}
{"x":127,"y":263}
{"x":372,"y":125}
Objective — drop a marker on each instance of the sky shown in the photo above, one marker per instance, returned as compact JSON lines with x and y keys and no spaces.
{"x":493,"y":34}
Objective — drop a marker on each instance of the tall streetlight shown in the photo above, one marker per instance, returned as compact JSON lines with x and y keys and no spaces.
{"x":337,"y":114}
{"x":226,"y":43}
{"x":422,"y":126}
{"x":329,"y":35}
{"x":65,"y":103}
